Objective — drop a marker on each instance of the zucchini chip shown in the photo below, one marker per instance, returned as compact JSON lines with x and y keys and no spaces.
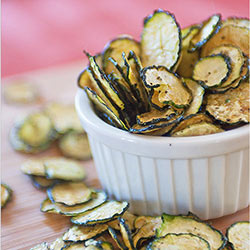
{"x":79,"y":233}
{"x":229,"y":34}
{"x":57,"y":244}
{"x":63,"y":117}
{"x":127,"y":217}
{"x":34,"y":167}
{"x":70,"y":194}
{"x":75,"y":145}
{"x":98,"y":198}
{"x":42,"y":182}
{"x":236,"y":21}
{"x":191,"y":120}
{"x":208,"y":29}
{"x":232,"y":107}
{"x":182,"y":241}
{"x":238,"y":235}
{"x":105,"y":84}
{"x":136,"y":83}
{"x":116,"y":239}
{"x":101,"y":106}
{"x":188,"y":59}
{"x":20,"y":92}
{"x":202,"y":128}
{"x":147,"y":231}
{"x":143,"y":220}
{"x":236,"y":60}
{"x":212,"y":71}
{"x":161,"y":40}
{"x":85,"y":79}
{"x":108,"y":211}
{"x":64,"y":169}
{"x":75,"y":246}
{"x":115,"y":48}
{"x":6,"y":193}
{"x":181,"y":224}
{"x":126,"y":234}
{"x":186,"y":31}
{"x":197,"y":93}
{"x":151,"y":129}
{"x":172,"y":90}
{"x":42,"y":246}
{"x":103,"y":245}
{"x":155,"y":116}
{"x":36,"y":130}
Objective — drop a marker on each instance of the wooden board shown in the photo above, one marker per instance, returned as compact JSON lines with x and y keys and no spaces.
{"x":23,"y":225}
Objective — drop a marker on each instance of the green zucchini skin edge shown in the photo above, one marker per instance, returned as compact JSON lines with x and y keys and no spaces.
{"x":71,"y":244}
{"x":146,"y":19}
{"x":149,"y":247}
{"x":107,"y":47}
{"x":215,"y":30}
{"x":229,"y":68}
{"x":153,"y":126}
{"x":68,"y":214}
{"x":151,"y":91}
{"x":227,"y":232}
{"x":128,"y":231}
{"x":153,"y":121}
{"x":10,"y":192}
{"x":223,"y":238}
{"x":39,"y":186}
{"x":116,"y":239}
{"x":115,"y":216}
{"x":143,"y":75}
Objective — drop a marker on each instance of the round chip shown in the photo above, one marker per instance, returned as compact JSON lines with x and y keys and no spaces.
{"x":108,"y":211}
{"x":161,"y":40}
{"x":238,"y":235}
{"x":36,"y":130}
{"x":63,"y":117}
{"x":64,"y":169}
{"x":69,"y":194}
{"x":231,"y":107}
{"x":75,"y":145}
{"x":179,"y":241}
{"x":212,"y":70}
{"x":20,"y":92}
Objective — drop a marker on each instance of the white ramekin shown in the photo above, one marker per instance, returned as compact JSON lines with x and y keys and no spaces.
{"x":207,"y":175}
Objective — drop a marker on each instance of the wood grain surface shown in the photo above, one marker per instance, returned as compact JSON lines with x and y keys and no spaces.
{"x":22,"y":223}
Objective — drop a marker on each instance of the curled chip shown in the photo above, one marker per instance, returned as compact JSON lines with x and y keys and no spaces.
{"x":97,"y":199}
{"x":108,"y":211}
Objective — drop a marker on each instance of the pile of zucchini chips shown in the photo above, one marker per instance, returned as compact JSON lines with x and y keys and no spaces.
{"x":99,"y":223}
{"x":37,"y":131}
{"x":174,"y":82}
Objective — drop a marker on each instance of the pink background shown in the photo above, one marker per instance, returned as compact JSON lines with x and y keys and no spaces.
{"x":41,"y":33}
